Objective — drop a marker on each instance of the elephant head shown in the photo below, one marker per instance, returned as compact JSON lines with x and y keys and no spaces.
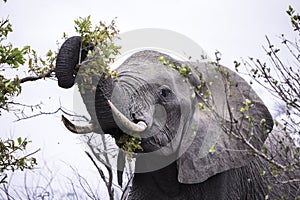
{"x":188,"y":112}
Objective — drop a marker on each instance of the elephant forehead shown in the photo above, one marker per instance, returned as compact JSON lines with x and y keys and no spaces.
{"x":155,"y":74}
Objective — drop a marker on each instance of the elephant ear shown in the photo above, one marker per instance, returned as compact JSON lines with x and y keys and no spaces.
{"x":228,"y":112}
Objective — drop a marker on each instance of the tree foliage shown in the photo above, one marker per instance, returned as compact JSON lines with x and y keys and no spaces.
{"x":13,"y":152}
{"x":280,"y":77}
{"x":10,"y":158}
{"x":11,"y":57}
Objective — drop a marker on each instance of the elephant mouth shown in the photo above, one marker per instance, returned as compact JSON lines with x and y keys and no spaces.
{"x":136,"y":130}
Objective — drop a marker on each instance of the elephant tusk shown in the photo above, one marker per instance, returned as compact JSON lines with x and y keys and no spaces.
{"x":131,"y":126}
{"x":77,"y":129}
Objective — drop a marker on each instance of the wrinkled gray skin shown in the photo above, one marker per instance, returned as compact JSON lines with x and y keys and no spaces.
{"x":144,"y":87}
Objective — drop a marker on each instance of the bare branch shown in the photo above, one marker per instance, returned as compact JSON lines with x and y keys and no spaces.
{"x":108,"y":182}
{"x":60,"y":109}
{"x":97,"y":167}
{"x":48,"y":74}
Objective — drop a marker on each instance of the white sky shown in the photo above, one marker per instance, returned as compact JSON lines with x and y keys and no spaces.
{"x":236,"y":28}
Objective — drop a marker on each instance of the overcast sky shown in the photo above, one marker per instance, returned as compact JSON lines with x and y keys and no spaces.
{"x":236,"y":28}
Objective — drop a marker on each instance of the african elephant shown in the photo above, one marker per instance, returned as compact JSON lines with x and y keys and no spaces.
{"x":190,"y":115}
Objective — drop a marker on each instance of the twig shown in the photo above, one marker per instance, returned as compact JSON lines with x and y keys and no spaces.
{"x":107,"y":183}
{"x":126,"y":189}
{"x":60,"y":109}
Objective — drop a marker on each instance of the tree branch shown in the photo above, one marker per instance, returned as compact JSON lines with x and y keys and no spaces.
{"x":34,"y":78}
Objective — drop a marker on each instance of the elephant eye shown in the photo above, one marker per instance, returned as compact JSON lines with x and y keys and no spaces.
{"x":165,"y":91}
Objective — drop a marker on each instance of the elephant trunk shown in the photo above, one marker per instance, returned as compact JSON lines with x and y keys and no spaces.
{"x":104,"y":114}
{"x":96,"y":90}
{"x":70,"y":54}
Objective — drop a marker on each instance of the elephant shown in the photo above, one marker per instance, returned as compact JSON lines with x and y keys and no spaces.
{"x":190,"y":118}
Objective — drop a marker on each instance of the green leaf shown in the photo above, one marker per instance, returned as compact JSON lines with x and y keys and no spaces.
{"x":161,"y":58}
{"x":19,"y":140}
{"x":201,"y":106}
{"x":212,"y":149}
{"x":242,"y":110}
{"x":263,"y":122}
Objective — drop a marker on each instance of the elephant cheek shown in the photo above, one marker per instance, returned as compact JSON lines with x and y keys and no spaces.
{"x":165,"y":132}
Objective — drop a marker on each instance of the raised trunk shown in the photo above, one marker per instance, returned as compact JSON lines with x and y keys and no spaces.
{"x":70,"y":55}
{"x":96,"y":91}
{"x":67,"y":59}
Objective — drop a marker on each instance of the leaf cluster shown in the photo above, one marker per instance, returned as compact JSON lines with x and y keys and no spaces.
{"x":295,"y":18}
{"x":13,"y":58}
{"x":98,"y":42}
{"x":130,"y":144}
{"x":98,"y":35}
{"x":10,"y":158}
{"x":183,"y":69}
